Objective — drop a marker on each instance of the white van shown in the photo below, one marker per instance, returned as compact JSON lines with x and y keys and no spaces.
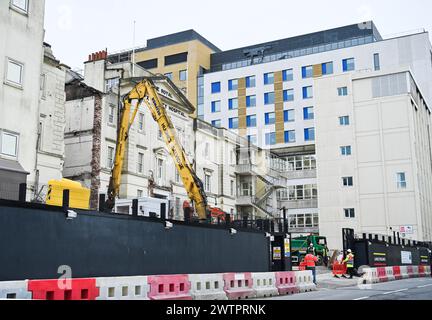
{"x":147,"y":207}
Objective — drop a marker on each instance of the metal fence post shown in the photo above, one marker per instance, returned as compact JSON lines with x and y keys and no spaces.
{"x":66,"y":199}
{"x":135,"y":207}
{"x":22,"y":192}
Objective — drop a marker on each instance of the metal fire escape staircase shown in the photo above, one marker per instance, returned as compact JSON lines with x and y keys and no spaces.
{"x":259,"y":201}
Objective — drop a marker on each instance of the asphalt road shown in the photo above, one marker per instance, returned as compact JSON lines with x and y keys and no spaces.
{"x":409,"y":289}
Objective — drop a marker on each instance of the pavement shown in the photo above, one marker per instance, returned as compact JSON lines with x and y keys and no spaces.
{"x":330,"y":288}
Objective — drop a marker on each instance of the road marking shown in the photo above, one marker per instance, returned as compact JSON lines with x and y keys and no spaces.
{"x":427,"y":285}
{"x":362,"y":298}
{"x":390,"y":292}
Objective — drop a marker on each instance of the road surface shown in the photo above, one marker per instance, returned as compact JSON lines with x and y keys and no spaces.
{"x":408,"y":289}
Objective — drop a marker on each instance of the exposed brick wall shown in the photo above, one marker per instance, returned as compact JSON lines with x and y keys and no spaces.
{"x":96,"y":153}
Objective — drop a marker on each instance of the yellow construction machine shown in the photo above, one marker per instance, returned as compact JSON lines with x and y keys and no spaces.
{"x":146,"y":92}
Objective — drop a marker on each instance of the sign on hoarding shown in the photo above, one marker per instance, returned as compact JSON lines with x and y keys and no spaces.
{"x":406,"y":257}
{"x":406,"y":229}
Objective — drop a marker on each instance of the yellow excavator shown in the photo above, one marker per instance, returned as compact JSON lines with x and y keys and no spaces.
{"x":145,"y":92}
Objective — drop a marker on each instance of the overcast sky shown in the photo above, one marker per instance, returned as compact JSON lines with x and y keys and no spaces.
{"x":76,"y":28}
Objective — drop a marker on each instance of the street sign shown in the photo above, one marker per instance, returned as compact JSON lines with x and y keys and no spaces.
{"x":277,"y":253}
{"x":406,"y":229}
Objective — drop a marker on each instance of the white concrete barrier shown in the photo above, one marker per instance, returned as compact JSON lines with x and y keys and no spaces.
{"x":389,"y":273}
{"x":404,"y":272}
{"x":415,"y":271}
{"x":304,"y":281}
{"x":15,"y":290}
{"x":207,"y":287}
{"x":428,"y":271}
{"x":123,"y":288}
{"x":370,"y":276}
{"x":264,"y":284}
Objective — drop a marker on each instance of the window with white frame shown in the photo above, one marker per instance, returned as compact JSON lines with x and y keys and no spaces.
{"x":14,"y":72}
{"x":111,"y":114}
{"x":401,"y":180}
{"x":110,"y":157}
{"x":141,"y":122}
{"x":299,"y":192}
{"x":112,"y":85}
{"x":300,"y":221}
{"x":9,"y":144}
{"x":160,"y":164}
{"x":207,"y":182}
{"x":21,"y":5}
{"x":349,"y":213}
{"x":140,"y":193}
{"x":177,"y":176}
{"x":347,"y":181}
{"x":140,"y":165}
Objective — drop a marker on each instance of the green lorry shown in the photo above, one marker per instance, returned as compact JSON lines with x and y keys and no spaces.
{"x":299,"y":247}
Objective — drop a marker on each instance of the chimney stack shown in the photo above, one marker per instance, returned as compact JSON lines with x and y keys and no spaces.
{"x":96,"y":56}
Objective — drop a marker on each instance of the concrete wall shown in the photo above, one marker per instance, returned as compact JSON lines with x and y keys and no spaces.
{"x":21,"y":38}
{"x":385,"y":139}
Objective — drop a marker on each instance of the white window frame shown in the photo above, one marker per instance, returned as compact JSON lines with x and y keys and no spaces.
{"x":183,"y":72}
{"x":401,"y":184}
{"x":141,"y":122}
{"x":207,"y":182}
{"x":111,"y":116}
{"x":140,"y":163}
{"x":16,"y":135}
{"x":160,"y":168}
{"x":110,"y":164}
{"x":349,"y":211}
{"x":11,"y":82}
{"x":19,"y":9}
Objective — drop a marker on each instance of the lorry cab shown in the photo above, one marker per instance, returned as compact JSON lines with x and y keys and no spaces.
{"x":147,"y":207}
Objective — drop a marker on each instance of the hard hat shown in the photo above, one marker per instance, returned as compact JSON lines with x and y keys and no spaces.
{"x":349,"y":251}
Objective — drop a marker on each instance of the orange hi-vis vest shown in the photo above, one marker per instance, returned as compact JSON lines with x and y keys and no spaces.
{"x":310,"y":260}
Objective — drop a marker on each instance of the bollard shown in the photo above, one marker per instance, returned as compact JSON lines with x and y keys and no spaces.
{"x":22,"y":192}
{"x":66,"y":194}
{"x":135,"y":207}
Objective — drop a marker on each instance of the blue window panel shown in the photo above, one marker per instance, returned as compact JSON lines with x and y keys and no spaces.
{"x":215,"y":106}
{"x":290,"y":136}
{"x":216,"y":87}
{"x":233,"y":104}
{"x":287,"y":75}
{"x":348,"y":64}
{"x":216,"y":123}
{"x":269,"y":78}
{"x":270,"y":138}
{"x":309,"y":134}
{"x":327,"y":68}
{"x":269,"y":98}
{"x":289,"y":115}
{"x":252,"y":139}
{"x":343,"y":91}
{"x":270,"y":118}
{"x":250,"y":82}
{"x":344,"y":121}
{"x":307,"y":92}
{"x":251,"y":121}
{"x":346,"y":151}
{"x":288,"y":95}
{"x":308,"y":113}
{"x":307,"y":72}
{"x":233,"y":85}
{"x":233,"y":123}
{"x":250,"y":101}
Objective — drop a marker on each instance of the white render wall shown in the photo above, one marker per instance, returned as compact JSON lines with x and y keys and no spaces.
{"x":383,"y":140}
{"x":21,"y":38}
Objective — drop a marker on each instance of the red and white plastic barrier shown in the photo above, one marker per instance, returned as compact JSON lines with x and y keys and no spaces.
{"x":286,"y":283}
{"x":15,"y":290}
{"x":384,"y":274}
{"x":239,"y":286}
{"x":172,"y":287}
